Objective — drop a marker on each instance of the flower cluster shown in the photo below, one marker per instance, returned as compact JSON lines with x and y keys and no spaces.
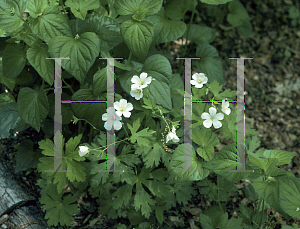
{"x":138,"y":84}
{"x":124,"y":108}
{"x":211,"y":118}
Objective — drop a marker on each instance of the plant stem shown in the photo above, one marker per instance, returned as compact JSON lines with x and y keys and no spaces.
{"x":69,"y":86}
{"x":257,"y":209}
{"x":216,"y":198}
{"x":76,"y":25}
{"x":128,"y":63}
{"x":91,"y":135}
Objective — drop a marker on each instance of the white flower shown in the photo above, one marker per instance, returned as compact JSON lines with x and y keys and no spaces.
{"x":199,"y":79}
{"x":172,"y":136}
{"x":114,"y":119}
{"x":143,"y":81}
{"x":136,"y":91}
{"x":212,"y":118}
{"x":225,"y":107}
{"x":83,"y":150}
{"x":298,"y":209}
{"x":123,"y":107}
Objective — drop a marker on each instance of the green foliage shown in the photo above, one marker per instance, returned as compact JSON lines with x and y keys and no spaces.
{"x":239,"y":18}
{"x":151,"y":177}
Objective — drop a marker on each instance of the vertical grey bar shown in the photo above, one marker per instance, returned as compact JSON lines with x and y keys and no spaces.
{"x":188,"y":116}
{"x":110,"y":103}
{"x":240,"y":116}
{"x":57,"y":118}
{"x":187,"y":112}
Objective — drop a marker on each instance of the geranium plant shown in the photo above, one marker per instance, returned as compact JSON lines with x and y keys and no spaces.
{"x":148,"y":112}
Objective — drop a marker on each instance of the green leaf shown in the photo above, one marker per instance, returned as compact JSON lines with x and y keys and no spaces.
{"x":92,"y":112}
{"x":82,"y":53}
{"x":284,"y":157}
{"x":200,"y":34}
{"x":142,"y":201}
{"x":6,"y":98}
{"x":36,"y":56}
{"x":100,"y":82}
{"x":33,"y":106}
{"x":176,"y":9}
{"x":210,"y":63}
{"x":205,"y":138}
{"x":140,"y":14}
{"x":238,"y":14}
{"x":26,"y":157}
{"x":268,"y":165}
{"x":253,"y":143}
{"x":289,"y":195}
{"x":187,"y":164}
{"x":8,"y":119}
{"x":142,"y":136}
{"x":80,"y":8}
{"x":124,"y":7}
{"x":107,"y":29}
{"x":165,"y":30}
{"x":66,"y":110}
{"x":227,"y":159}
{"x":36,"y":7}
{"x":232,"y":223}
{"x":137,"y":35}
{"x":158,"y":67}
{"x":50,"y":24}
{"x":206,"y":221}
{"x":58,"y":211}
{"x":14,"y":59}
{"x":215,"y":2}
{"x":152,"y":156}
{"x":245,"y":29}
{"x":294,"y":12}
{"x":11,"y":14}
{"x":159,"y":214}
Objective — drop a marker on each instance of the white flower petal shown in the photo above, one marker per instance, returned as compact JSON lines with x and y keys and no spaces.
{"x":135,"y":79}
{"x":119,"y":113}
{"x":199,"y":85}
{"x":126,"y":114}
{"x":217,"y":124}
{"x":212,"y":111}
{"x":205,"y":115}
{"x":117,"y":125}
{"x":104,"y":117}
{"x":219,"y":116}
{"x":207,"y":123}
{"x":129,"y":107}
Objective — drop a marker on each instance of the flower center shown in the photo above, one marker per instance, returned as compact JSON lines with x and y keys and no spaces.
{"x":138,"y":91}
{"x":141,"y":81}
{"x":199,"y":80}
{"x":122,"y":108}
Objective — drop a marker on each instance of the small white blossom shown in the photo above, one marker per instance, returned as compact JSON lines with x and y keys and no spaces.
{"x":123,"y":108}
{"x":298,"y":209}
{"x":136,"y":91}
{"x":114,"y":119}
{"x":141,"y":81}
{"x":172,"y":136}
{"x":225,"y":107}
{"x":83,"y":150}
{"x":199,"y":79}
{"x":212,"y":118}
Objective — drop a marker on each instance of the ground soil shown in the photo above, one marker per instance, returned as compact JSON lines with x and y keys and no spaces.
{"x":270,"y":108}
